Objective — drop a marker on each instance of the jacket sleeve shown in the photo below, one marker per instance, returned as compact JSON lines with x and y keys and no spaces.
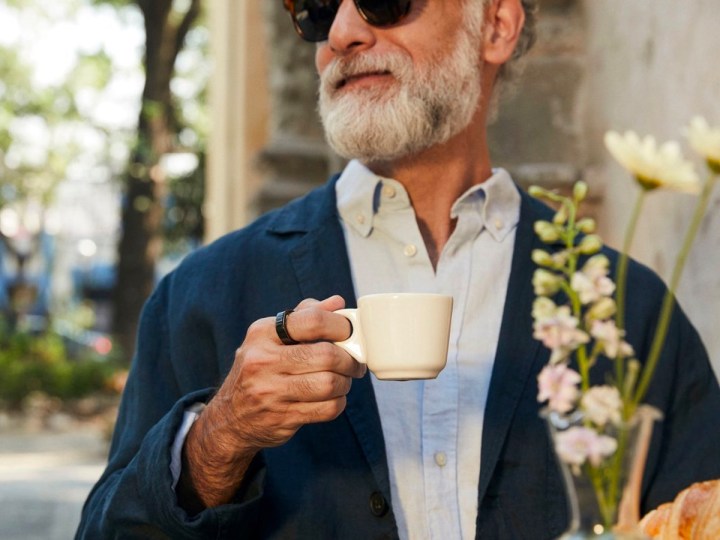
{"x":134,"y":497}
{"x":686,"y":443}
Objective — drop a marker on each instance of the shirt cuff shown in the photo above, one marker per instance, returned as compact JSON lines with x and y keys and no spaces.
{"x":191,"y":414}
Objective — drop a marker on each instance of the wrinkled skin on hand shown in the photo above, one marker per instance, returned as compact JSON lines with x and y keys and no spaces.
{"x":271,"y":391}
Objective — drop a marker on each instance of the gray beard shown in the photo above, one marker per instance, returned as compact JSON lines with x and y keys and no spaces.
{"x":424,"y":107}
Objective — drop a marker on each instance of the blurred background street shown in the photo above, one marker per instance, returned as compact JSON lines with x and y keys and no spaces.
{"x":48,"y":463}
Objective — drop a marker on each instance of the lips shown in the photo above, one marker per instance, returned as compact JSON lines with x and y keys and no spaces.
{"x":348,"y":79}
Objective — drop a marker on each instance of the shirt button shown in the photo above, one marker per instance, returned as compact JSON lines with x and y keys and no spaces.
{"x":440,"y":459}
{"x":388,"y":191}
{"x":499,"y":223}
{"x":360,"y":218}
{"x":410,"y":250}
{"x":378,"y":504}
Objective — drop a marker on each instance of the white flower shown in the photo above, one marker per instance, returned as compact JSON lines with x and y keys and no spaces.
{"x":558,"y":385}
{"x":592,"y":282}
{"x":558,"y":330}
{"x":705,"y":140}
{"x":602,"y":404}
{"x":577,"y":444}
{"x":653,"y":166}
{"x":610,"y":338}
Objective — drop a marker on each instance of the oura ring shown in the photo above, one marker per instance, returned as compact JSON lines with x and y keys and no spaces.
{"x":281,"y":327}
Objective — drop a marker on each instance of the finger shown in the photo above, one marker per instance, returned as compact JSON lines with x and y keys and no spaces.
{"x":332,"y":303}
{"x":314,"y":323}
{"x":279,"y":423}
{"x":301,"y":413}
{"x":317,"y":387}
{"x":318,"y":357}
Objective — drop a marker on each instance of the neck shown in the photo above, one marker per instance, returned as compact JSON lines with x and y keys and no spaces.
{"x":436,"y":177}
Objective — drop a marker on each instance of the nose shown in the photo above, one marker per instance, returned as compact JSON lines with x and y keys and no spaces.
{"x":350,"y":32}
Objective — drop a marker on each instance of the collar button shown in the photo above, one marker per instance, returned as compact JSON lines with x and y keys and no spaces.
{"x":389,"y":191}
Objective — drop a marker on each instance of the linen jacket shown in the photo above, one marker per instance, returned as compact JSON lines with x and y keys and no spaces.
{"x":330,"y":481}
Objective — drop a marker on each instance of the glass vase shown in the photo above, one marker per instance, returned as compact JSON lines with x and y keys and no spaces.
{"x":604,"y":496}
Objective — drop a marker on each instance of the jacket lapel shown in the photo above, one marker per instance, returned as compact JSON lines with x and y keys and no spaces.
{"x":517,"y":349}
{"x":319,"y":260}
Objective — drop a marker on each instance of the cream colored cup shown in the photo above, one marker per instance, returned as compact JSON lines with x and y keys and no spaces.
{"x":400,"y":336}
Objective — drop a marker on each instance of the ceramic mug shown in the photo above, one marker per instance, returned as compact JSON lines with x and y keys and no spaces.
{"x":400,"y":336}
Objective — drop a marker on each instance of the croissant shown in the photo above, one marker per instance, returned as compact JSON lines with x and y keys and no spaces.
{"x":694,"y":514}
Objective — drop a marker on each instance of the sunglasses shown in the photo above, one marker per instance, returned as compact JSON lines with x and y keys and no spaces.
{"x":314,"y":18}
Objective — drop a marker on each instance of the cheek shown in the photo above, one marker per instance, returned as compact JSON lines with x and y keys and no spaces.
{"x":323,"y":56}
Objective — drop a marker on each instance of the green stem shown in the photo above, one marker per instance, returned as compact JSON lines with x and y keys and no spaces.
{"x":613,"y":495}
{"x":621,"y":282}
{"x":669,"y":298}
{"x":633,"y":370}
{"x":601,"y":496}
{"x":581,"y":352}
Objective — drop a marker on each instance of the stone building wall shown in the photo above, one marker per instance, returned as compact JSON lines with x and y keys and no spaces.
{"x":651,"y":67}
{"x":538,"y":134}
{"x":296,"y":158}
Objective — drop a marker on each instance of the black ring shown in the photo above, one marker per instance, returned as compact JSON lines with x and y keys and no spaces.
{"x":281,"y":327}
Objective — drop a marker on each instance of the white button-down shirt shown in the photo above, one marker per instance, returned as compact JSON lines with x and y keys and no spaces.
{"x":433,"y":428}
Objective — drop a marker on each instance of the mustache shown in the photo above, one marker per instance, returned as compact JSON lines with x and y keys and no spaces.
{"x":341,"y":70}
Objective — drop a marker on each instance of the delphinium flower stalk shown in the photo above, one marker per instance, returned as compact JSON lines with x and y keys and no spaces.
{"x":591,"y":325}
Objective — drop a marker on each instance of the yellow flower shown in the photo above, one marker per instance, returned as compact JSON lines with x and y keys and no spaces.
{"x":705,"y":140}
{"x":652,"y":166}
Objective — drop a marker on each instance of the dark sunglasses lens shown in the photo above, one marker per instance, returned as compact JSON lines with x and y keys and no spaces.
{"x":313,"y":18}
{"x":383,"y":12}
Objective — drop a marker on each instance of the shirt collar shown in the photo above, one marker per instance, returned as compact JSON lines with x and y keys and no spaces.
{"x":360,"y":194}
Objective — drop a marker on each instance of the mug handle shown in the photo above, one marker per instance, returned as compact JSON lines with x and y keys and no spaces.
{"x":354,"y":344}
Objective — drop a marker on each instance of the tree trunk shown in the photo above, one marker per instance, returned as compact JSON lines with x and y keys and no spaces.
{"x":141,"y":240}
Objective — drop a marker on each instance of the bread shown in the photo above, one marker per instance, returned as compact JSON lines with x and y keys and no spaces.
{"x":694,"y":514}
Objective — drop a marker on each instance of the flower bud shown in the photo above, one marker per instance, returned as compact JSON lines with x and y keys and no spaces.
{"x":560,"y":259}
{"x":580,"y":190}
{"x":586,"y":225}
{"x":536,"y":191}
{"x":547,"y":232}
{"x":542,"y":258}
{"x":545,"y":283}
{"x":543,"y":308}
{"x":603,"y":309}
{"x":590,"y":244}
{"x":561,"y":216}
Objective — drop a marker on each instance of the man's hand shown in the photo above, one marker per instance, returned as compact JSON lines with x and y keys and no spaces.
{"x":271,"y":391}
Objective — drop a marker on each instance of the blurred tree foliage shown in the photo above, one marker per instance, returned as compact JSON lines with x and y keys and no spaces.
{"x":169,"y":123}
{"x":162,"y":207}
{"x":48,"y":113}
{"x":42,"y":132}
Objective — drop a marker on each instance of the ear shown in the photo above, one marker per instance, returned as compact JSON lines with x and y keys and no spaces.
{"x":503,"y":24}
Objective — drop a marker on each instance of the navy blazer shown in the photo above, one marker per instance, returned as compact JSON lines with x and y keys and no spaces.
{"x":331,"y":480}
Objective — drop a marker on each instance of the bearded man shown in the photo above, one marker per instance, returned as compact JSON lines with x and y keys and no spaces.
{"x":236,"y":424}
